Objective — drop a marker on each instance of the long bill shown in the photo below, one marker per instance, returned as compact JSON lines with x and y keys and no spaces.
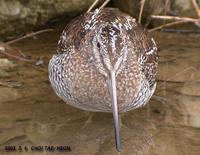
{"x":113,"y":92}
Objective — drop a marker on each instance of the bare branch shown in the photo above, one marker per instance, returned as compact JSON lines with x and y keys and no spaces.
{"x":104,"y":4}
{"x":197,"y":8}
{"x":95,"y":2}
{"x":141,"y":10}
{"x":27,"y":36}
{"x":188,"y":19}
{"x":5,"y":46}
{"x":167,"y":25}
{"x":16,"y":57}
{"x":93,"y":5}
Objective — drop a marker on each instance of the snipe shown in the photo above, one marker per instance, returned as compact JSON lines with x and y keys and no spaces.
{"x":105,"y":62}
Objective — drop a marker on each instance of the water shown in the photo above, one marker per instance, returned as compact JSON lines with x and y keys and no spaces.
{"x":32,"y":115}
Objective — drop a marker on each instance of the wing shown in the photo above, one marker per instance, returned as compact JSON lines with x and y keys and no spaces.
{"x":146,"y":50}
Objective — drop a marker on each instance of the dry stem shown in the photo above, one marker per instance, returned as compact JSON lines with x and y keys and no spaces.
{"x":167,"y":25}
{"x":197,"y":8}
{"x":5,"y":45}
{"x":188,"y":19}
{"x":178,"y":20}
{"x":93,"y":5}
{"x":104,"y":4}
{"x":16,"y":57}
{"x":27,"y":36}
{"x":141,"y":10}
{"x":95,"y":2}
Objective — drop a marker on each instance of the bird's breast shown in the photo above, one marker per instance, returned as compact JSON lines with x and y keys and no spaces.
{"x":89,"y":88}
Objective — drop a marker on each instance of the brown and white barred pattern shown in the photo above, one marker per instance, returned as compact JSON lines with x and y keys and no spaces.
{"x":92,"y":45}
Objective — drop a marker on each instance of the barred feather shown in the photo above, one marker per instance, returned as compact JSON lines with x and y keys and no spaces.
{"x":90,"y":47}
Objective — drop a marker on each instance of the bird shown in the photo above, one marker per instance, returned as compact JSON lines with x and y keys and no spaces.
{"x":105,"y":62}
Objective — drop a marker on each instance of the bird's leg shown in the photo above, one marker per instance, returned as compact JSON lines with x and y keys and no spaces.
{"x":113,"y":92}
{"x":121,"y":122}
{"x":88,"y":121}
{"x":161,"y":99}
{"x":148,"y":111}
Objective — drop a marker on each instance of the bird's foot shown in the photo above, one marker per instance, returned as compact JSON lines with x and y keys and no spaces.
{"x":122,"y":125}
{"x":88,"y":121}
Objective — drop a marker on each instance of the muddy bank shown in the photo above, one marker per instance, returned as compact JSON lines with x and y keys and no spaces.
{"x":18,"y":17}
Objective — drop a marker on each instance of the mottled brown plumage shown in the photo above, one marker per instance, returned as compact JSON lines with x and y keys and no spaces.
{"x":102,"y":53}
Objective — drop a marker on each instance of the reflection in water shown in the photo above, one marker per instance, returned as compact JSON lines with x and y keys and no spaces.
{"x":31,"y":114}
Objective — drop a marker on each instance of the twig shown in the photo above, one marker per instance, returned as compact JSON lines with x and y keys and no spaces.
{"x":5,"y":45}
{"x":181,"y":31}
{"x":95,"y":2}
{"x":104,"y":4}
{"x":27,"y":36}
{"x":197,"y":8}
{"x":21,"y":53}
{"x":167,"y":6}
{"x":92,"y":6}
{"x":141,"y":10}
{"x":188,"y":19}
{"x":180,"y":19}
{"x":167,"y":25}
{"x":15,"y":56}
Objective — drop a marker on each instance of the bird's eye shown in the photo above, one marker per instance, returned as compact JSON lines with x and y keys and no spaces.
{"x":98,"y":45}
